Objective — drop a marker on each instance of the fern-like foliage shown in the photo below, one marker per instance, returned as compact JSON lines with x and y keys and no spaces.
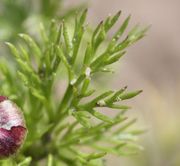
{"x":74,"y":130}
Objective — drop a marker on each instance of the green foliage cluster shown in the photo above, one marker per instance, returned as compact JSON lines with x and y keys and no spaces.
{"x":17,"y":15}
{"x":74,"y":130}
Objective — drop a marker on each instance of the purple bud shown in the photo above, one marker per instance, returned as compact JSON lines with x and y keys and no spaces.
{"x":12,"y":127}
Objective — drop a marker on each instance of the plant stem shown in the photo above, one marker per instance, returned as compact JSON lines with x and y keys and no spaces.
{"x":66,"y":99}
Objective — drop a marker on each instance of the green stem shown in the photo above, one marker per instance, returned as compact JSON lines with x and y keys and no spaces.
{"x":66,"y":99}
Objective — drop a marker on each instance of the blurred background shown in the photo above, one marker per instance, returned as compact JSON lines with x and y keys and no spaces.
{"x":153,"y":64}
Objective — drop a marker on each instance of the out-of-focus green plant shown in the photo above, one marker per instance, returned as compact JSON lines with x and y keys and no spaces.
{"x":75,"y":130}
{"x":16,"y":16}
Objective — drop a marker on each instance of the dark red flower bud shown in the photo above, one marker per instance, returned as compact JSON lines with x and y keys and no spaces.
{"x":12,"y":127}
